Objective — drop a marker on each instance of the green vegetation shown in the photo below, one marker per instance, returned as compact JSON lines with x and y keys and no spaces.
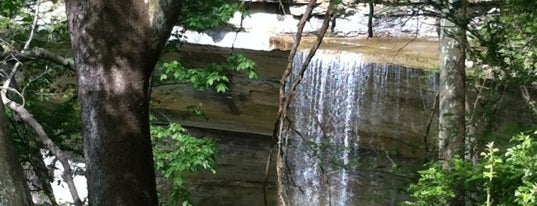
{"x":177,"y":153}
{"x":501,"y":177}
{"x":504,"y":172}
{"x":203,"y":15}
{"x":214,"y":76}
{"x":506,"y":41}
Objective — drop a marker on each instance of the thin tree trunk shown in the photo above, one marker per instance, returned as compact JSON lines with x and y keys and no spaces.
{"x":451,"y":137}
{"x":452,"y":90}
{"x":116,"y":45}
{"x":285,"y":97}
{"x":370,"y":19}
{"x":13,"y":188}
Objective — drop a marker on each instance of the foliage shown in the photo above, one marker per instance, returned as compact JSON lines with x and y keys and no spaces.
{"x":500,"y":178}
{"x":506,"y":41}
{"x":491,"y":159}
{"x":10,"y":8}
{"x":215,"y":76}
{"x":437,"y":190}
{"x":177,"y":153}
{"x":202,"y":15}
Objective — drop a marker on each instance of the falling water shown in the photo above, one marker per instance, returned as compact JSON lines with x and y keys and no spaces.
{"x":336,"y":118}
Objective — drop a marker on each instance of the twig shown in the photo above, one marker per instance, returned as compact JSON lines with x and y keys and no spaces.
{"x":401,"y":49}
{"x":34,"y":25}
{"x":6,"y":42}
{"x":527,"y":98}
{"x":16,"y":92}
{"x":282,"y":109}
{"x":282,"y":7}
{"x":429,"y":123}
{"x":267,"y":170}
{"x":32,"y":80}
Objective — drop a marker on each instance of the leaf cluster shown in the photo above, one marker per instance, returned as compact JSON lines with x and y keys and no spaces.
{"x":10,"y":8}
{"x":14,"y":29}
{"x":214,"y":76}
{"x":177,"y":153}
{"x":506,"y":41}
{"x":505,"y":177}
{"x":203,"y":15}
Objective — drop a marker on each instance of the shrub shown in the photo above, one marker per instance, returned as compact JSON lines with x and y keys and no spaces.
{"x":505,"y":177}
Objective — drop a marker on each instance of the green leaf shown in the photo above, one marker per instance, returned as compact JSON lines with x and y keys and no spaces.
{"x":221,"y":88}
{"x":252,"y":75}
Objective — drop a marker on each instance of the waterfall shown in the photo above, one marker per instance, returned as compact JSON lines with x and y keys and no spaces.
{"x":338,"y":118}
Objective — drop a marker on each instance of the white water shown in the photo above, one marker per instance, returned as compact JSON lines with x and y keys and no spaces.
{"x":59,"y":186}
{"x":340,"y":98}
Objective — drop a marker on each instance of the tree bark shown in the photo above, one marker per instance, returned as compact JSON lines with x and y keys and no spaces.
{"x":13,"y":188}
{"x":451,"y":137}
{"x":116,"y":45}
{"x":452,"y":89}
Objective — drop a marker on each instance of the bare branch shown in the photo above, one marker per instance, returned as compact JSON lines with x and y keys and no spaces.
{"x":40,"y":54}
{"x":403,"y":47}
{"x":27,"y":117}
{"x":16,"y":92}
{"x":285,"y":99}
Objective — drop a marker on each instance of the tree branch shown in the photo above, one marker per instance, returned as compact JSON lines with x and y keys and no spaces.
{"x":284,"y":98}
{"x":39,"y":54}
{"x":27,"y":117}
{"x":278,"y":127}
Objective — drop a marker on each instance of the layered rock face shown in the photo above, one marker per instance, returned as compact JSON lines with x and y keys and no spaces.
{"x":386,"y":117}
{"x":251,"y":105}
{"x":270,"y":18}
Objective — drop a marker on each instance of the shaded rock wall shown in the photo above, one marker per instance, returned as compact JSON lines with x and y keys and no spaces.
{"x":240,"y":175}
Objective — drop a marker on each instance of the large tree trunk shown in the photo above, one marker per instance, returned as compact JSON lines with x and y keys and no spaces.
{"x":116,"y":45}
{"x":451,"y":138}
{"x":13,"y":188}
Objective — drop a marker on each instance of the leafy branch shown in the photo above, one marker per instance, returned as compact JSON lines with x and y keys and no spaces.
{"x":177,"y":153}
{"x":214,"y":76}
